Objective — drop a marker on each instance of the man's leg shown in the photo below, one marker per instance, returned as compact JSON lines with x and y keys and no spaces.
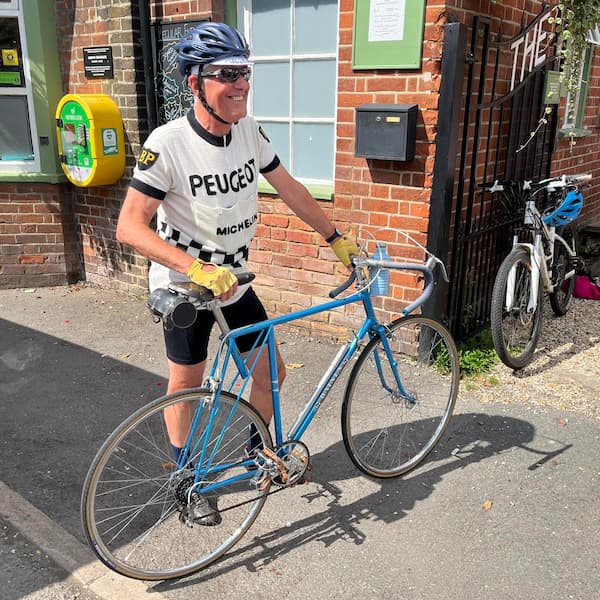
{"x":260,"y":395}
{"x":177,"y":416}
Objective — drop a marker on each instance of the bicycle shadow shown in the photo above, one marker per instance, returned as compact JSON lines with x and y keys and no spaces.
{"x":470,"y":438}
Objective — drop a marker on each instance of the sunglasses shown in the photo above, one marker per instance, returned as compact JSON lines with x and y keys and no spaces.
{"x":230,"y":75}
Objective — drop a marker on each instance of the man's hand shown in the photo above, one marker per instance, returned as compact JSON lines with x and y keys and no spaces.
{"x":345,"y":249}
{"x":219,"y":280}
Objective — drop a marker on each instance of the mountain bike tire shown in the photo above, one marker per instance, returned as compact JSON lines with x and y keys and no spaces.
{"x":515,"y":332}
{"x":560,"y":298}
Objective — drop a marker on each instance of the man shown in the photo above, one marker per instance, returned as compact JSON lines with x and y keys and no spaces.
{"x":198,"y":175}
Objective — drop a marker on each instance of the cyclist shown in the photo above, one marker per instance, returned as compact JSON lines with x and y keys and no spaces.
{"x":198,"y":175}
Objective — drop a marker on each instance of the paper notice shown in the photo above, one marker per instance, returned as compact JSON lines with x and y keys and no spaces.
{"x":386,"y":20}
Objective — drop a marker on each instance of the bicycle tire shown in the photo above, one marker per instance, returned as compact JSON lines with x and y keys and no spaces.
{"x":515,"y":332}
{"x":562,"y":294}
{"x":387,"y":430}
{"x":131,"y":502}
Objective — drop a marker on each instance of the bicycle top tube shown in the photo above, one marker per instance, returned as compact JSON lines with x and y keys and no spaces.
{"x":204,"y":300}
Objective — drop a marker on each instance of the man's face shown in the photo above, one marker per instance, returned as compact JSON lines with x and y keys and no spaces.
{"x":227,"y":98}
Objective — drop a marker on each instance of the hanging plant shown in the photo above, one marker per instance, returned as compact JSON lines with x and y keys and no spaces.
{"x":577,"y":18}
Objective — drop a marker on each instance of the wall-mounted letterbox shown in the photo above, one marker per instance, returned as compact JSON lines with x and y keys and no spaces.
{"x":386,"y":131}
{"x":91,"y":143}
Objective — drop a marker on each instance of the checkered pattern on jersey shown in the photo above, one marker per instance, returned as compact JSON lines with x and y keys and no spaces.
{"x":197,"y":250}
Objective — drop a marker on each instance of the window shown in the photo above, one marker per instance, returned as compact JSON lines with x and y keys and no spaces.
{"x":574,"y":124}
{"x":17,"y":121}
{"x":294,"y":83}
{"x":28,"y":45}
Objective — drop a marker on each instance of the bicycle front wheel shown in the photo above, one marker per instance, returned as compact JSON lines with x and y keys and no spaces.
{"x":135,"y":498}
{"x":400,"y":397}
{"x":515,"y":328}
{"x":562,"y":292}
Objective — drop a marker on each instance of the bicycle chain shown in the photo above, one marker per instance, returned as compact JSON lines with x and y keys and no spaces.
{"x":285,"y":483}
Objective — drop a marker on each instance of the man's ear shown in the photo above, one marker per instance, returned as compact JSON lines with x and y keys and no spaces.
{"x":195,"y":84}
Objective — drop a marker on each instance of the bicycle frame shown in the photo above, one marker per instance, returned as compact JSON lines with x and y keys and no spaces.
{"x":538,"y":257}
{"x":229,"y":353}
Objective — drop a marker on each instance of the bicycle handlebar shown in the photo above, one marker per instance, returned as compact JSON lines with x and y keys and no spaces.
{"x":426,"y":269}
{"x":550,"y":184}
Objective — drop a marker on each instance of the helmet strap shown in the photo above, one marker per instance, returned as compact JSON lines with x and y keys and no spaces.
{"x":210,"y":110}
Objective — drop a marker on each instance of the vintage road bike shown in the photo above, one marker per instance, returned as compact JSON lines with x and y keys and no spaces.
{"x":151,"y":518}
{"x":543,"y":259}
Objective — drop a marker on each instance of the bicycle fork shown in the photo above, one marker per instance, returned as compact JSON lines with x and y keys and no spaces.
{"x":535,"y":258}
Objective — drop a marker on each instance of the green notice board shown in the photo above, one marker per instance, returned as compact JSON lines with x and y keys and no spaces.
{"x":388,"y":34}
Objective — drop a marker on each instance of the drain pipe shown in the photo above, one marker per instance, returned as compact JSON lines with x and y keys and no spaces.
{"x":148,"y":60}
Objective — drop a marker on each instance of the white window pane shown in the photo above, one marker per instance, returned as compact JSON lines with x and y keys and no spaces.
{"x":15,"y":138}
{"x":270,"y":28}
{"x":279,"y":134}
{"x":314,"y":88}
{"x":313,"y":150}
{"x":316,"y":26}
{"x":271,"y":89}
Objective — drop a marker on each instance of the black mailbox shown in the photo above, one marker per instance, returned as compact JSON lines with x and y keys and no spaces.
{"x":386,"y":131}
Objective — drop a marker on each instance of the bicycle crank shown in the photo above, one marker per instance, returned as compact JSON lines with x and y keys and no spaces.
{"x":284,"y":465}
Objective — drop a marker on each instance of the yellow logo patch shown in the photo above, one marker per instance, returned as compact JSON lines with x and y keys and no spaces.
{"x":146,"y":159}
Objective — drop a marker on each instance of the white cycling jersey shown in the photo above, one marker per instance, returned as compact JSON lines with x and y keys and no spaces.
{"x":207,"y":186}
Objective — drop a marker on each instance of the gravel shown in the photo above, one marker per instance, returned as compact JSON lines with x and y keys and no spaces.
{"x":565,"y":371}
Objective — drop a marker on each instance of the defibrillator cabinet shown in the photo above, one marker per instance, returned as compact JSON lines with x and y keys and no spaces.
{"x":91,"y":142}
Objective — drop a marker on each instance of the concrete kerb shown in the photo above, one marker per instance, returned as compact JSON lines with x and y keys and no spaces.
{"x":67,"y":552}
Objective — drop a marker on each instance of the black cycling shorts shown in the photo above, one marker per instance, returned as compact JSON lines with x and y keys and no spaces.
{"x":190,"y":346}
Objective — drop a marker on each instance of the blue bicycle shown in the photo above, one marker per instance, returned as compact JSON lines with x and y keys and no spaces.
{"x":149,"y":518}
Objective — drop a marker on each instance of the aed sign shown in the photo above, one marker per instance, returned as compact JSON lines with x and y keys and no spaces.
{"x":91,"y":142}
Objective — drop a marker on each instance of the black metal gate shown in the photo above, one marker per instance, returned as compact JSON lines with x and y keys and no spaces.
{"x":504,"y":100}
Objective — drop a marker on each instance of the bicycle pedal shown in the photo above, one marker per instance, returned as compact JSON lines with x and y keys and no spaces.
{"x":262,"y":483}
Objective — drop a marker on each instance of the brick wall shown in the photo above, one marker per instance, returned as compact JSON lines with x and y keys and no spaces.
{"x":38,"y":237}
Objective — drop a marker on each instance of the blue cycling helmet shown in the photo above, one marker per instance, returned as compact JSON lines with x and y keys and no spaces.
{"x":211,"y":43}
{"x":568,"y":210}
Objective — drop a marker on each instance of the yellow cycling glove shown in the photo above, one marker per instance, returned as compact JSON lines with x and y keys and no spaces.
{"x":344,"y":248}
{"x":218,"y":279}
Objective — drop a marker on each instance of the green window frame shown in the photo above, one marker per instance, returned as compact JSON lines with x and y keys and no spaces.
{"x":294,"y":86}
{"x":38,"y":94}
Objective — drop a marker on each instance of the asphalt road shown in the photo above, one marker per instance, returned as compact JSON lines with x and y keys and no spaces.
{"x":507,"y":506}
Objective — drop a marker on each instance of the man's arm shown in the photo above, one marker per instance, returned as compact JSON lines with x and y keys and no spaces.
{"x":299,"y":199}
{"x":133,"y":229}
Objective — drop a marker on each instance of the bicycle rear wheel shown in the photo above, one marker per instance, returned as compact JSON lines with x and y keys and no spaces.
{"x":394,"y":414}
{"x":515,"y":330}
{"x":135,"y":498}
{"x":562,"y":294}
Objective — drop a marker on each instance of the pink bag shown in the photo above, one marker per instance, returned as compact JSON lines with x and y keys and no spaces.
{"x":585,"y":288}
